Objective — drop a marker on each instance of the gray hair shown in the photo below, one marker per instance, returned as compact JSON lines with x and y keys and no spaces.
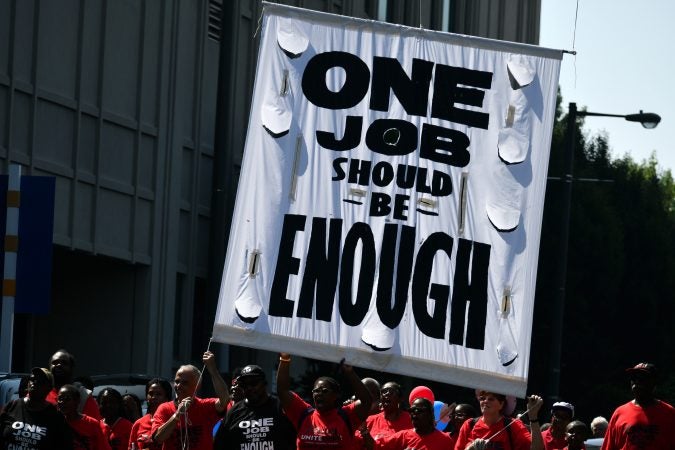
{"x":190,"y":368}
{"x":599,"y":421}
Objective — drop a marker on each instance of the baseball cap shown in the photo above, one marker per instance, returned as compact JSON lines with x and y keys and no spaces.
{"x":252,"y":371}
{"x":646,"y":368}
{"x":43,"y":375}
{"x":563,"y":405}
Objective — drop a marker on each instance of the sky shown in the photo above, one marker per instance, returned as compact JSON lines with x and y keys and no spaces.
{"x":625,"y":62}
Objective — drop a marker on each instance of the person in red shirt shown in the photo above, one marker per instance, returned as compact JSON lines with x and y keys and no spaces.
{"x":460,"y":414}
{"x":555,"y":437}
{"x":644,"y":423}
{"x":188,"y":421}
{"x":157,"y":391}
{"x":494,"y":419}
{"x":115,"y":427}
{"x":87,"y":433}
{"x":62,"y":364}
{"x":327,"y":425}
{"x":423,"y":435}
{"x":392,"y":418}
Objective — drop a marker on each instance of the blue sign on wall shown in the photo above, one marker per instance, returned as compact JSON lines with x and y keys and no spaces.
{"x":36,"y":228}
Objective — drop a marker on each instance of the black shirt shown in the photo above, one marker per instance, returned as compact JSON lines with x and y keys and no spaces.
{"x":263,"y":427}
{"x":25,"y":429}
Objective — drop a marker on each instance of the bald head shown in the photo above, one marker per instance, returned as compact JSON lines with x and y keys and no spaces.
{"x":186,"y":381}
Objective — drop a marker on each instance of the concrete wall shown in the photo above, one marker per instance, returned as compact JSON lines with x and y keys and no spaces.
{"x":116,"y":99}
{"x":139,"y":109}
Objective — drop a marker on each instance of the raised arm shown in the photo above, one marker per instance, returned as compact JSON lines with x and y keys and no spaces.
{"x":219,"y":384}
{"x":364,"y":399}
{"x":284,"y":379}
{"x":534,"y":403}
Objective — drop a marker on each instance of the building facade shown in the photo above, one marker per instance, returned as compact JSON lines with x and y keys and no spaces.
{"x":139,"y":110}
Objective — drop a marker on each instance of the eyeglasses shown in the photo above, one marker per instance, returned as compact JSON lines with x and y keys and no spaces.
{"x":321,"y":390}
{"x":389,"y":391}
{"x":484,"y":398}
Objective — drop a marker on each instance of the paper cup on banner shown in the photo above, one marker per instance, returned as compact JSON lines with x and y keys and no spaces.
{"x":291,"y":40}
{"x":377,"y":335}
{"x":521,"y":73}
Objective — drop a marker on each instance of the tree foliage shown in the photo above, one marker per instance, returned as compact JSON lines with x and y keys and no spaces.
{"x":619,"y":307}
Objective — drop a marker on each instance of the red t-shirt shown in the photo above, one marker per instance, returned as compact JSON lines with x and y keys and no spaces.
{"x":141,"y":434}
{"x":87,"y":434}
{"x":323,"y":430}
{"x":118,"y":433}
{"x":409,"y":439}
{"x":90,"y":406}
{"x":515,"y":438}
{"x":202,"y":417}
{"x":551,"y":442}
{"x":380,"y":427}
{"x":634,"y":427}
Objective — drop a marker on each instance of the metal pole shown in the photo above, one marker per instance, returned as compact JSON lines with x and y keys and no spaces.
{"x":558,"y":309}
{"x":9,"y":276}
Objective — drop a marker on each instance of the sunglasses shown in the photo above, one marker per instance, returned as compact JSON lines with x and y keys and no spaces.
{"x":321,"y":390}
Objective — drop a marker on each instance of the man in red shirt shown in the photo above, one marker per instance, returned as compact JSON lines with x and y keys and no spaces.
{"x":188,"y":421}
{"x":554,"y":437}
{"x":61,"y":364}
{"x":644,"y":423}
{"x":423,"y":435}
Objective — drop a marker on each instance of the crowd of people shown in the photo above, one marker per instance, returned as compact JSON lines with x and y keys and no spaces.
{"x":55,"y":412}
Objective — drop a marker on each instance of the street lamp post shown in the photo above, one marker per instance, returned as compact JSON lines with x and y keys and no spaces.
{"x":648,"y":120}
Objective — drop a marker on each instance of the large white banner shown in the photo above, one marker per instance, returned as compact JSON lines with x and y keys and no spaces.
{"x":390,"y":201}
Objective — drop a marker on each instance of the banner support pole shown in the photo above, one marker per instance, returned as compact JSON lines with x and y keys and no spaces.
{"x":10,"y":256}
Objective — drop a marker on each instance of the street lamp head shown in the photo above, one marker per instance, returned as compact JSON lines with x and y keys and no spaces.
{"x":648,"y":120}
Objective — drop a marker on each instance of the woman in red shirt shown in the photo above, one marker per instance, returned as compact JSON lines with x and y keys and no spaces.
{"x":493,"y":421}
{"x":157,"y":391}
{"x":327,"y":425}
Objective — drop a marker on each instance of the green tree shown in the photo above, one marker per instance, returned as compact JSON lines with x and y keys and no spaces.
{"x":620,"y":286}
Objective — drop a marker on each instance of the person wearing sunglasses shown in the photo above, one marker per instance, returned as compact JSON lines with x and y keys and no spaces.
{"x":460,"y":414}
{"x":257,"y":421}
{"x":392,"y":418}
{"x":422,"y":436}
{"x":327,"y":424}
{"x":495,"y":425}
